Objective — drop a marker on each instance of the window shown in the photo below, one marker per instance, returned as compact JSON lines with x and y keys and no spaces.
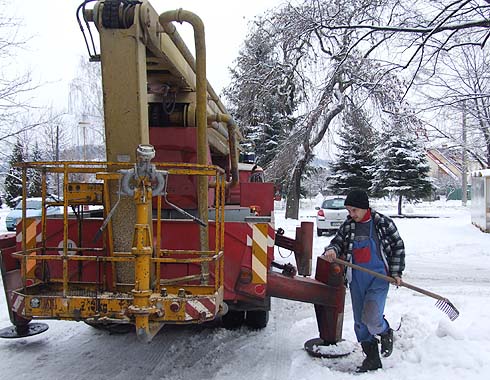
{"x":334,"y":204}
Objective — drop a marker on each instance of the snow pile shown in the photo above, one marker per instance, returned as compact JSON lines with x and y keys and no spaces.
{"x":446,"y":255}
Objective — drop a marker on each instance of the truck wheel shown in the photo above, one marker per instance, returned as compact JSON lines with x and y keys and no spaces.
{"x":233,"y":319}
{"x":319,"y":232}
{"x":257,"y":319}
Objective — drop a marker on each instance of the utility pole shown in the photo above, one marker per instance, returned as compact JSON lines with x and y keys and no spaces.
{"x":464,"y":169}
{"x":57,"y":157}
{"x":83,"y":125}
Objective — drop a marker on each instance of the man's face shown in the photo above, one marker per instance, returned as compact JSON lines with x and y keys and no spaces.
{"x":356,"y":213}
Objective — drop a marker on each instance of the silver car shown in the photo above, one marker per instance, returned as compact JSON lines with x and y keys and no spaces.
{"x":33,"y":209}
{"x":330,"y":215}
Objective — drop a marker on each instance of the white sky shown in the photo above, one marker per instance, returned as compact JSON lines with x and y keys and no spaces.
{"x":53,"y":52}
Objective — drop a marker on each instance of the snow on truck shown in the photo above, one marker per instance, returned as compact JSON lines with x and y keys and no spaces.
{"x":184,"y":232}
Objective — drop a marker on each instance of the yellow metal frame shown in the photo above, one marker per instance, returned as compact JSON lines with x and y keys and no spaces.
{"x":146,"y":304}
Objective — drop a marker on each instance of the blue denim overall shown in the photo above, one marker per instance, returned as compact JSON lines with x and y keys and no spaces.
{"x":368,"y":293}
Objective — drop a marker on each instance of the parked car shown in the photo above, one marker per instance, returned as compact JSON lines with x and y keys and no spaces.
{"x":33,"y":209}
{"x":330,"y":215}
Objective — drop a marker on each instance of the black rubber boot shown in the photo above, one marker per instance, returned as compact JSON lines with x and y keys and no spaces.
{"x":387,"y":342}
{"x":372,"y":361}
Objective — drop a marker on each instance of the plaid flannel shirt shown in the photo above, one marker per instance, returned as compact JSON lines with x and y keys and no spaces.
{"x":391,"y":244}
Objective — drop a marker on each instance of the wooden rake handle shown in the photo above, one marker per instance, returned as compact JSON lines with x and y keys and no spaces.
{"x":391,"y":280}
{"x":442,"y":303}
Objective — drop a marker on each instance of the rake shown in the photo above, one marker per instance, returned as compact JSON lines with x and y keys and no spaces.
{"x":442,"y":303}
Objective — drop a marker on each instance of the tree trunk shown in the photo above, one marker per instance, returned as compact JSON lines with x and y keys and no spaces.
{"x":487,"y":144}
{"x":400,"y":197}
{"x":464,"y":166}
{"x":294,"y":191}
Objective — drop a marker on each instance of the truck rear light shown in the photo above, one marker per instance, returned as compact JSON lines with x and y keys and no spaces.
{"x":320,"y":213}
{"x":255,"y":210}
{"x":174,"y":307}
{"x":245,"y":276}
{"x":336,"y":269}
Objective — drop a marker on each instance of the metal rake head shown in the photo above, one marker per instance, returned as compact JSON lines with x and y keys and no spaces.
{"x":447,"y":307}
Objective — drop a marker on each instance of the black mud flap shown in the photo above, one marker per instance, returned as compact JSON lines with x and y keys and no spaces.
{"x":23,"y":331}
{"x":318,"y":348}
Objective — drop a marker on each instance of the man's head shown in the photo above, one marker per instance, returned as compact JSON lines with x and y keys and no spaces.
{"x":357,"y":204}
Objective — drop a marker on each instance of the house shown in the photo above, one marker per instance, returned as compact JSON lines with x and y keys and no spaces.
{"x":446,"y":170}
{"x":442,"y":166}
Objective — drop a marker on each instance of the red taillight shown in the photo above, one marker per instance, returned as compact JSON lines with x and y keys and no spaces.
{"x":175,"y":307}
{"x":336,"y":269}
{"x":320,"y":213}
{"x":245,"y":276}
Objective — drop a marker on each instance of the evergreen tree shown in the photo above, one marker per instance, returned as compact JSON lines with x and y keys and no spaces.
{"x":352,"y":169}
{"x":13,"y":180}
{"x":262,"y":94}
{"x":35,"y":179}
{"x":401,"y":167}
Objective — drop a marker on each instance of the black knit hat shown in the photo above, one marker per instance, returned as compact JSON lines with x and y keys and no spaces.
{"x":357,"y":198}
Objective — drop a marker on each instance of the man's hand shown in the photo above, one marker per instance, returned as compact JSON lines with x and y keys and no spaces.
{"x":398,"y":280}
{"x":330,"y":255}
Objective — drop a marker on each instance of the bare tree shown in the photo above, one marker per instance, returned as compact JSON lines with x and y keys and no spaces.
{"x":55,"y":138}
{"x":85,"y":98}
{"x":421,"y":29}
{"x":14,"y":88}
{"x":329,"y":68}
{"x":463,"y":85}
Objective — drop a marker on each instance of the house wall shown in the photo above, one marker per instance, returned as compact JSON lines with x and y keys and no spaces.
{"x":480,"y":199}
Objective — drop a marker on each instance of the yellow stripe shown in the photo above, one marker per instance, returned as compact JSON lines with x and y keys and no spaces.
{"x":259,"y":253}
{"x":260,"y":236}
{"x":259,"y":271}
{"x":31,"y":234}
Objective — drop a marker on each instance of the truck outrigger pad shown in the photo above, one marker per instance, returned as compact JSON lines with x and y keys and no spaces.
{"x":23,"y":331}
{"x":318,"y":348}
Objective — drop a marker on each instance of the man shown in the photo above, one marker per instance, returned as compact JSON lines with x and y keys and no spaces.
{"x":371,"y":240}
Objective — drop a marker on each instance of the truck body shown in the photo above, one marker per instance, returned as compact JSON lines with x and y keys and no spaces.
{"x":172,"y":228}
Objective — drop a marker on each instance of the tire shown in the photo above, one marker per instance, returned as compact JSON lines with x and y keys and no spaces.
{"x":319,"y":232}
{"x":257,"y":319}
{"x":233,"y":319}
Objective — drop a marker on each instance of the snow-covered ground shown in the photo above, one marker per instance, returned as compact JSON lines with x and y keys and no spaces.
{"x":446,"y":255}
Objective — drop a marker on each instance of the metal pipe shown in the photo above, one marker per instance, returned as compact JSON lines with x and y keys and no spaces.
{"x":218,"y":128}
{"x":302,"y":289}
{"x":231,"y":126}
{"x":142,"y":251}
{"x":201,"y":111}
{"x":171,"y":31}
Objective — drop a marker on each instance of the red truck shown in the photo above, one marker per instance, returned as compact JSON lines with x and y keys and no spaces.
{"x":184,"y":232}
